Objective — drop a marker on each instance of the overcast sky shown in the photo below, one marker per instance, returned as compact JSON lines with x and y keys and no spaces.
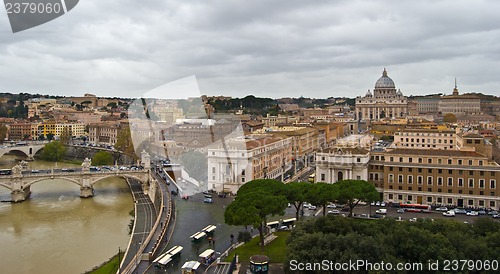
{"x":266,"y":48}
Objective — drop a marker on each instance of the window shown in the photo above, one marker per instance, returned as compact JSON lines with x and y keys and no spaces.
{"x":242,"y":180}
{"x":391,"y":168}
{"x":470,"y":162}
{"x":410,"y":169}
{"x":460,"y":182}
{"x":450,"y":201}
{"x":429,"y":189}
{"x":440,"y":171}
{"x":391,"y":196}
{"x":410,"y":197}
{"x":440,"y":161}
{"x":242,"y":172}
{"x":481,"y":173}
{"x":439,"y":200}
{"x":410,"y":179}
{"x":440,"y":181}
{"x":391,"y":159}
{"x":492,"y":204}
{"x":322,"y":158}
{"x":459,"y":162}
{"x":429,"y":170}
{"x":481,"y":203}
{"x":429,"y":161}
{"x":400,"y":159}
{"x":481,"y":183}
{"x":391,"y":178}
{"x":471,"y":182}
{"x":429,"y":199}
{"x":400,"y":179}
{"x":450,"y":181}
{"x":400,"y":169}
{"x":470,"y":202}
{"x":410,"y":160}
{"x":471,"y":172}
{"x":480,"y":162}
{"x":492,"y":184}
{"x":429,"y":180}
{"x":419,"y":170}
{"x":323,"y":177}
{"x":450,"y":161}
{"x":420,"y":180}
{"x":419,"y":160}
{"x":400,"y":197}
{"x":358,"y":160}
{"x":213,"y":169}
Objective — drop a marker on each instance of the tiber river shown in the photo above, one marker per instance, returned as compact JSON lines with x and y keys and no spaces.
{"x":55,"y":231}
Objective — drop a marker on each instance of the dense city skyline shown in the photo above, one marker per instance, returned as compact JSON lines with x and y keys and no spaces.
{"x":283,"y":49}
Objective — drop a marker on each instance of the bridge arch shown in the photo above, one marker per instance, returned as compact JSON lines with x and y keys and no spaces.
{"x":72,"y":180}
{"x":5,"y":151}
{"x":6,"y":186}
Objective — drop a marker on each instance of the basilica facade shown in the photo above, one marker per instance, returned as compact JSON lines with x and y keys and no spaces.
{"x":384,"y":102}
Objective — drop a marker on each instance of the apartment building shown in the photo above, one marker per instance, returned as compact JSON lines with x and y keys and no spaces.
{"x":454,"y":178}
{"x":104,"y":133}
{"x":304,"y":139}
{"x":239,"y":160}
{"x":426,"y":138}
{"x":19,"y":131}
{"x":56,"y":129}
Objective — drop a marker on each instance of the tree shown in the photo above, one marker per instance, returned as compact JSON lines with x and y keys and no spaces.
{"x":255,"y":201}
{"x":321,"y":194}
{"x":65,"y":136}
{"x":352,"y":192}
{"x":449,"y":118}
{"x":53,"y":151}
{"x":102,"y":158}
{"x":50,"y":136}
{"x":41,"y":137}
{"x":3,"y":132}
{"x":253,"y":208}
{"x":297,"y":193}
{"x":124,"y":142}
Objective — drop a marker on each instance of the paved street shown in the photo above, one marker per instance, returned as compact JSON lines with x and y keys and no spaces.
{"x":145,"y":218}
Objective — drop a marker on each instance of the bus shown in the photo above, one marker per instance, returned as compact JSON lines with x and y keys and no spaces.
{"x":416,"y":208}
{"x":5,"y":171}
{"x":311,"y":178}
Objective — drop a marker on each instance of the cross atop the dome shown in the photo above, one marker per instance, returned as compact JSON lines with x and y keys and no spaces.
{"x":384,"y":73}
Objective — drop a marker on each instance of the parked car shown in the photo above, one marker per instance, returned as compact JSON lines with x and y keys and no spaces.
{"x":312,"y":207}
{"x":442,"y":208}
{"x":401,"y":210}
{"x":381,"y":211}
{"x":334,"y":212}
{"x":377,"y":203}
{"x":472,"y":213}
{"x":207,"y":200}
{"x":460,"y":211}
{"x":382,"y":204}
{"x":497,"y":216}
{"x":331,"y":206}
{"x":449,"y":213}
{"x":494,"y":212}
{"x":482,"y":212}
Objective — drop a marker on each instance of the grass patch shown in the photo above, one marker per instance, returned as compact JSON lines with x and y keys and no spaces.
{"x":109,"y":267}
{"x":275,"y":250}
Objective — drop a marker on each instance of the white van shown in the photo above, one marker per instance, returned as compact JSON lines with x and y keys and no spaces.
{"x":381,"y":211}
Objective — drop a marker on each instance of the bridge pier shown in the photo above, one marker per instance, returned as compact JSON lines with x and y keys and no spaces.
{"x":19,"y":195}
{"x":86,"y":191}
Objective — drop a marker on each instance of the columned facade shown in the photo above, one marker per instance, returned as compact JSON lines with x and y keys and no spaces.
{"x":384,"y":102}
